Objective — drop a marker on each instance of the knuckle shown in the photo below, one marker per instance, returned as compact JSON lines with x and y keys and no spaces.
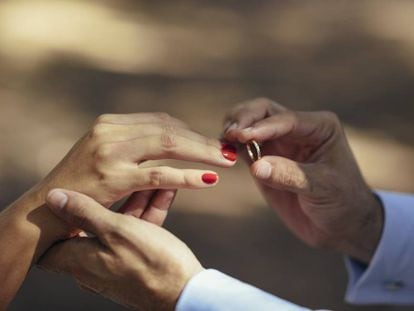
{"x":99,"y":131}
{"x":168,"y":138}
{"x":184,"y":182}
{"x":104,"y":151}
{"x":104,"y":118}
{"x":169,"y":120}
{"x":264,"y":102}
{"x":163,"y":117}
{"x":236,"y":109}
{"x":269,"y":105}
{"x":155,"y":177}
{"x":292,"y":118}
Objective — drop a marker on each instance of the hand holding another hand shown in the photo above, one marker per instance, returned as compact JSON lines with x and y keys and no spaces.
{"x":133,"y":262}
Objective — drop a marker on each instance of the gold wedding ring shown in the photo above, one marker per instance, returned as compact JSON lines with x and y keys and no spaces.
{"x":253,"y":150}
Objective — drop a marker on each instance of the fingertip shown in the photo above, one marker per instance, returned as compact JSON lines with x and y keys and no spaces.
{"x":229,"y":152}
{"x":210,"y":178}
{"x":57,"y":199}
{"x":261,"y":169}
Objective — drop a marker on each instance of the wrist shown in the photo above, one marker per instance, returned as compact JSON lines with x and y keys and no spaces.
{"x":362,"y":242}
{"x":191,"y":271}
{"x":28,"y":230}
{"x":31,"y":216}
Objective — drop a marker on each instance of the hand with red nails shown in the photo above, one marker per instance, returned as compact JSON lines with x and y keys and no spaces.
{"x":110,"y":162}
{"x":133,"y":262}
{"x":309,"y":176}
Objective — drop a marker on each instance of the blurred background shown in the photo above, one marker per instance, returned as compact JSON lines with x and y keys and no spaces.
{"x":63,"y":63}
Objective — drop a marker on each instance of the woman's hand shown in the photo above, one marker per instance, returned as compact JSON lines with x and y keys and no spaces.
{"x":309,"y":176}
{"x":133,"y":262}
{"x":109,"y":162}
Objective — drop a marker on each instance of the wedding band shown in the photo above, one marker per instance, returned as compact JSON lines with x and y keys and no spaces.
{"x":253,"y":150}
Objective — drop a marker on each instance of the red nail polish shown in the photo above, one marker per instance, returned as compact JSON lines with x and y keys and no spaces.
{"x":229,"y":152}
{"x":209,"y":178}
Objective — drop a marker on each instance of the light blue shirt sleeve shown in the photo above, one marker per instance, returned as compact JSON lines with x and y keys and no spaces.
{"x":389,"y":278}
{"x":212,"y":290}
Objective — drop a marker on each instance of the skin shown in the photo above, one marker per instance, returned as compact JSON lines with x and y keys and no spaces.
{"x":309,"y":176}
{"x":108,"y":164}
{"x":133,"y":262}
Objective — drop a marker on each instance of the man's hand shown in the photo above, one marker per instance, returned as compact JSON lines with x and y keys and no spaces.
{"x":309,"y":176}
{"x":131,"y":261}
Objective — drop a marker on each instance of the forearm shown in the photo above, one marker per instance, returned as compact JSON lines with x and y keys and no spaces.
{"x":28,"y":230}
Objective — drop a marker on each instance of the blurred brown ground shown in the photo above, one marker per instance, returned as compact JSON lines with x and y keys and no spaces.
{"x":62,"y":63}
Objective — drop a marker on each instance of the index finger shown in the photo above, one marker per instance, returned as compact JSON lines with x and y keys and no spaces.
{"x":245,"y":114}
{"x":314,"y":127}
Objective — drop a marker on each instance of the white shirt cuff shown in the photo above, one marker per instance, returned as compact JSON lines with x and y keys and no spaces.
{"x":212,"y":290}
{"x":389,"y":278}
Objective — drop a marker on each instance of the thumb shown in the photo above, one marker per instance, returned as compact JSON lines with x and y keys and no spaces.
{"x":282,"y":174}
{"x":79,"y":210}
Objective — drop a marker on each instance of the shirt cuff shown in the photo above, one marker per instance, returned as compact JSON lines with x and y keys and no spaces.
{"x":389,"y":278}
{"x":212,"y":290}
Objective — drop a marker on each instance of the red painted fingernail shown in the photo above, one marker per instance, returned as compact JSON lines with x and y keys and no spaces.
{"x":229,"y":152}
{"x":209,"y":178}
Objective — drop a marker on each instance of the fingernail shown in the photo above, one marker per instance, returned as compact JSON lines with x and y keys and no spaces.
{"x":231,"y":127}
{"x":229,"y":152}
{"x":263,"y":169}
{"x":57,"y":199}
{"x":248,"y":129}
{"x":209,"y":178}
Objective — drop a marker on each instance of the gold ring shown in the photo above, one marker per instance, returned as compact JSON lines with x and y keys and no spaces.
{"x":253,"y":149}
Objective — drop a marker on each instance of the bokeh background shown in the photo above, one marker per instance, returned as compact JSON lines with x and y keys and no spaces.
{"x":63,"y":63}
